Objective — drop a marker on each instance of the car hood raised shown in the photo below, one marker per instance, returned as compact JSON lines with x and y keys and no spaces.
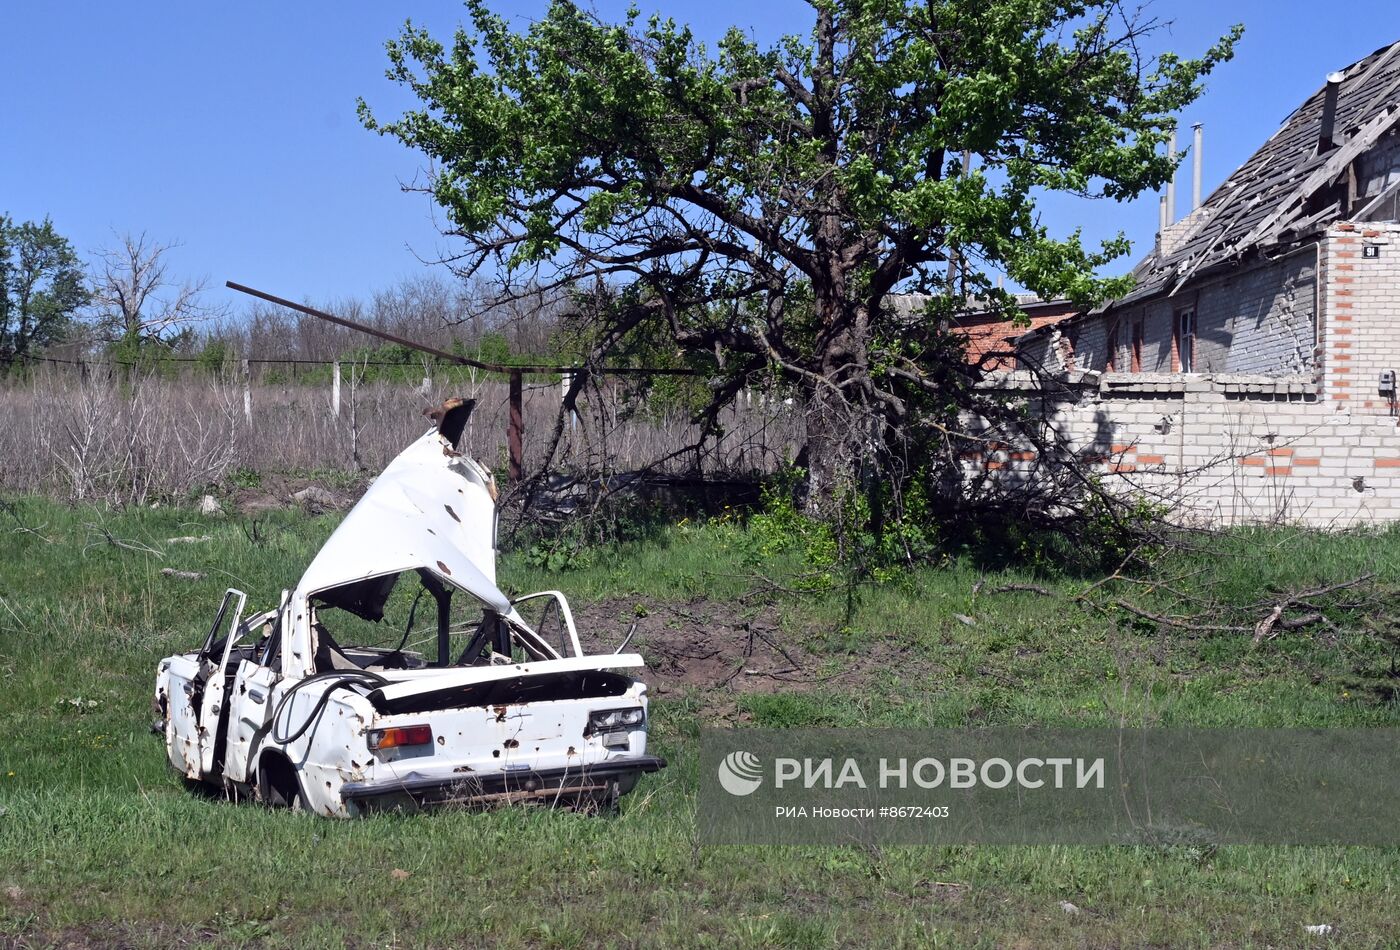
{"x":432,"y":509}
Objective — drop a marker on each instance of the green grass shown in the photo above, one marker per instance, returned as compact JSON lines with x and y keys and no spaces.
{"x":99,"y":841}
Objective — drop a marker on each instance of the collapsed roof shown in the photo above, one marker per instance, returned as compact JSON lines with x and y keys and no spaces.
{"x":1295,"y":184}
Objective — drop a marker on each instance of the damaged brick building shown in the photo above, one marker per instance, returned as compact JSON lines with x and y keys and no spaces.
{"x":1251,"y":372}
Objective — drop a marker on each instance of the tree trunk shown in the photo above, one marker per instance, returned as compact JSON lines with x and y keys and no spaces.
{"x":830,"y":471}
{"x":834,"y":421}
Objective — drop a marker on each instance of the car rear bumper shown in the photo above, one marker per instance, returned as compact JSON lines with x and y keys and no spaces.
{"x":567,"y":785}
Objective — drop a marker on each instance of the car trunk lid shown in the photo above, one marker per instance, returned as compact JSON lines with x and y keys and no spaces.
{"x":582,"y":677}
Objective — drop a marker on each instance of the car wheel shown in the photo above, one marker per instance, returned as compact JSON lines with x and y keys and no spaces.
{"x":280,"y":787}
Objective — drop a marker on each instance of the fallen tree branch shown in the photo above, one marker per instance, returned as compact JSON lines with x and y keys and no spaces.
{"x":119,"y":543}
{"x":1264,"y":628}
{"x":1180,"y":623}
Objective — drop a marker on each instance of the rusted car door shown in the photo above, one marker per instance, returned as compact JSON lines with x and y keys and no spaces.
{"x":215,"y":658}
{"x":189,"y":676}
{"x":181,"y":718}
{"x":251,"y":703}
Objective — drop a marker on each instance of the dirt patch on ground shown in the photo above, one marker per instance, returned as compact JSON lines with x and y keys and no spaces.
{"x":716,"y":652}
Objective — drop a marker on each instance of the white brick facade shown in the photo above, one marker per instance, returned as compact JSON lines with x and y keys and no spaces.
{"x":1261,"y":319}
{"x":1284,"y":418}
{"x":1360,"y":333}
{"x":1222,"y":449}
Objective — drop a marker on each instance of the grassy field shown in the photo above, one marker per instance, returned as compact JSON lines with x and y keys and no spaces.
{"x":100,"y":844}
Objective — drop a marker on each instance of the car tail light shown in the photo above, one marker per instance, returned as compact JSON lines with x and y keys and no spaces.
{"x":398,"y":736}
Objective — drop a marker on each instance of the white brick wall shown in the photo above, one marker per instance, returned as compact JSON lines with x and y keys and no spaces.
{"x":1360,"y":332}
{"x":1263,"y":320}
{"x":1306,"y":436}
{"x":1221,"y":453}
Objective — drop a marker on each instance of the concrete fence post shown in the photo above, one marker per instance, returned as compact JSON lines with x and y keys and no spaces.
{"x":565,"y":381}
{"x":247,"y":392}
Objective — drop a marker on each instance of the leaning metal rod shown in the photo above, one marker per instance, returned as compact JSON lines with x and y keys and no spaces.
{"x":364,"y":328}
{"x":516,"y":427}
{"x":454,"y":357}
{"x":517,"y":422}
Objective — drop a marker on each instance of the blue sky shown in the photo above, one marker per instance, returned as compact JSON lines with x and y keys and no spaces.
{"x":231,"y":128}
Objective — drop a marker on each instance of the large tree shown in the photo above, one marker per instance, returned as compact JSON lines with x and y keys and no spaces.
{"x":41,"y":288}
{"x":756,"y":206}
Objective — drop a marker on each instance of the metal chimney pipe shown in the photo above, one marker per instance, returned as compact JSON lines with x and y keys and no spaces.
{"x":1328,"y":124}
{"x":1196,"y":167}
{"x":1161,"y":214}
{"x":1171,"y":184}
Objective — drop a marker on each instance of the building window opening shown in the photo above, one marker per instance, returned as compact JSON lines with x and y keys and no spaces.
{"x":1186,"y":340}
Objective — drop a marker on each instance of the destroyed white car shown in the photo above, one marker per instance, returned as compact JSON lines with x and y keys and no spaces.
{"x":397,"y":674}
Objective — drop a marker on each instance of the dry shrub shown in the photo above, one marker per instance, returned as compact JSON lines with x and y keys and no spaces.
{"x":96,"y":439}
{"x":100,"y":436}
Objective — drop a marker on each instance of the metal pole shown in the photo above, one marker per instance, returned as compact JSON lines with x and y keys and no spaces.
{"x":516,"y":435}
{"x":456,"y":358}
{"x":1171,"y":183}
{"x":1196,"y":167}
{"x":354,"y":419}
